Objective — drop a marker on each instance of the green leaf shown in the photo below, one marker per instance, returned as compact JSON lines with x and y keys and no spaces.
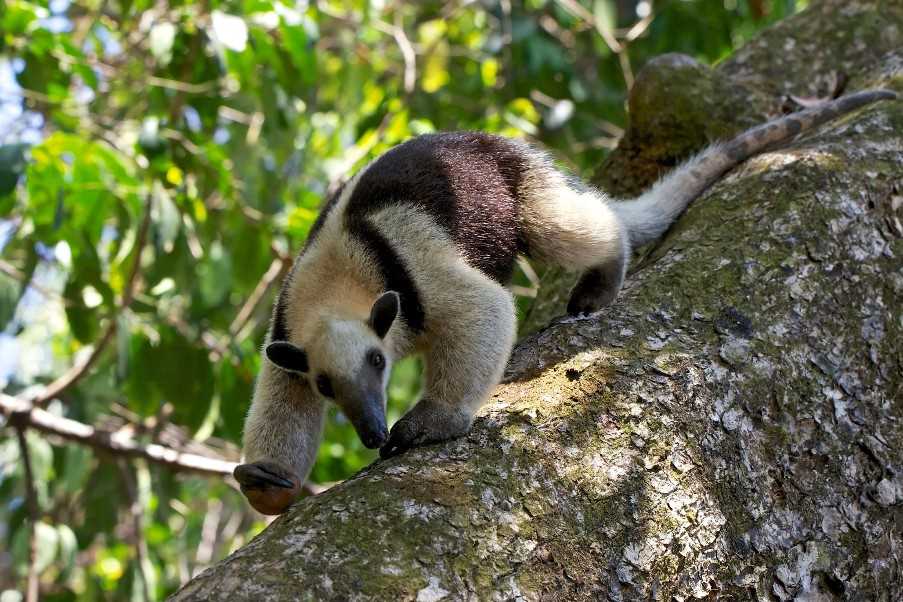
{"x":17,"y":16}
{"x":174,"y":370}
{"x":67,"y":548}
{"x":47,"y":539}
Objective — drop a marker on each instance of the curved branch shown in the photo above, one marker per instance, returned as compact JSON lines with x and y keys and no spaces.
{"x":22,"y":413}
{"x":120,"y":442}
{"x":276,"y":271}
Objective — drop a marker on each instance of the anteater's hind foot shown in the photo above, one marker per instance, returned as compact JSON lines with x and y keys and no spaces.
{"x":597,"y":287}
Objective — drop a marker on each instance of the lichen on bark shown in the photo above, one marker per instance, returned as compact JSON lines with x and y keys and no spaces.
{"x":732,"y":428}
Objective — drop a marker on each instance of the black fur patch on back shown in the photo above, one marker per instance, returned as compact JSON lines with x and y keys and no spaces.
{"x":395,"y":274}
{"x":466,"y":181}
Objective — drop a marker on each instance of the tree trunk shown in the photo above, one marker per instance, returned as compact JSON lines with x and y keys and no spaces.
{"x":731,"y":428}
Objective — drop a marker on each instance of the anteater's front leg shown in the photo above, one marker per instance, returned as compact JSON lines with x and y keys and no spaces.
{"x":466,"y":356}
{"x":282,"y":434}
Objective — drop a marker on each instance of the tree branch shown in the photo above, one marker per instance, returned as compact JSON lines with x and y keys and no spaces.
{"x":22,"y":412}
{"x":276,"y":271}
{"x":136,"y":536}
{"x":407,"y":50}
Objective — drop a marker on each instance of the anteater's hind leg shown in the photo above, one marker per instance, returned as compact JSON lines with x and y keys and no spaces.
{"x":574,"y":227}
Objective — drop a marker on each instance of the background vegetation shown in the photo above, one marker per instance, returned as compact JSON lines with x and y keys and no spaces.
{"x":159,"y":164}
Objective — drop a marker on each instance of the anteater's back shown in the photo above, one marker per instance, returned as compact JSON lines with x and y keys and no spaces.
{"x":466,"y":181}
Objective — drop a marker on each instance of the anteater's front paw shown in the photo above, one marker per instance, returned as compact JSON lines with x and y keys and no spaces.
{"x":427,"y":422}
{"x":269,"y":487}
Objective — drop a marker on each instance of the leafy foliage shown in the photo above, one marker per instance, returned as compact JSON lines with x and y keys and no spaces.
{"x":222,"y":125}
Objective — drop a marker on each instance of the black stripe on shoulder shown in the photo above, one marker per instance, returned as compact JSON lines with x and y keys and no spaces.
{"x":324,"y":213}
{"x":279,"y":329}
{"x":393,"y":270}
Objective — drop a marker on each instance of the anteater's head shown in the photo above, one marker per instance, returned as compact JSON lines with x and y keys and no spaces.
{"x":348,"y":362}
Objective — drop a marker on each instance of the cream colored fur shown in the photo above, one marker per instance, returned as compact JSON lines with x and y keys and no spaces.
{"x":575,"y":229}
{"x":647,"y":217}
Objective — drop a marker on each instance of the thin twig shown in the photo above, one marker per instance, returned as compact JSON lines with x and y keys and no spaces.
{"x":616,"y":46}
{"x":626,"y":69}
{"x":31,"y":497}
{"x":640,"y":27}
{"x":209,"y":534}
{"x":579,"y":11}
{"x":275,"y":272}
{"x":191,"y":147}
{"x":407,"y":51}
{"x":227,"y":534}
{"x":406,"y":48}
{"x":136,"y":510}
{"x":14,"y":272}
{"x":74,"y":374}
{"x":180,"y":86}
{"x":565,"y":37}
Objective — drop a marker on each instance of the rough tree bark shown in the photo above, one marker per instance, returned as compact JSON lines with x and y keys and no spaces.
{"x":732,"y":428}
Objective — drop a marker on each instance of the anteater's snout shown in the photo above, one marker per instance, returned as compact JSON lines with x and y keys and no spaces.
{"x":376,"y":438}
{"x":370,"y":422}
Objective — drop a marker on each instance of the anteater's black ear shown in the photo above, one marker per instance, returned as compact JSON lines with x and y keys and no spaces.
{"x":287,"y":356}
{"x":383,"y":312}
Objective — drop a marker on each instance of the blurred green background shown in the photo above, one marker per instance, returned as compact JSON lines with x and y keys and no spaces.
{"x":159,"y":160}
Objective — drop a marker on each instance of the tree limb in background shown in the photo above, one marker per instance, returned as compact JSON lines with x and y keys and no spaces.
{"x":24,"y":413}
{"x":276,"y":271}
{"x":618,"y":48}
{"x":405,"y":47}
{"x":136,"y":537}
{"x":119,"y":442}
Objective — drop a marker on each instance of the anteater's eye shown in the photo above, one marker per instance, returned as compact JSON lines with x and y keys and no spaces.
{"x":324,"y":386}
{"x":376,"y":359}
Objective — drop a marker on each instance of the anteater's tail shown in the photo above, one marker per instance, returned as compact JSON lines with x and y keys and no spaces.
{"x":648,"y":216}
